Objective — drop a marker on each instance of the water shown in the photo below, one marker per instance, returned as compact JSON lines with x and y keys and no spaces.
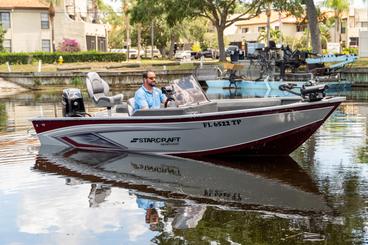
{"x":319,"y":195}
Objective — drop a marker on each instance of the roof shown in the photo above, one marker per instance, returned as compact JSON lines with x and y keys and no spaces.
{"x":262,"y":19}
{"x":29,"y":4}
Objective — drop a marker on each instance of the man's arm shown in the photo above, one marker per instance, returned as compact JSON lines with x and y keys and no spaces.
{"x":163,"y":97}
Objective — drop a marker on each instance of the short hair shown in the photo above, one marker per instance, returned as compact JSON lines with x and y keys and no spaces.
{"x":145,"y":74}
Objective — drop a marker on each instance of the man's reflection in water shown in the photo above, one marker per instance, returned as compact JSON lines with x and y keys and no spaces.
{"x":188,"y":217}
{"x":98,"y":194}
{"x":152,"y":218}
{"x":152,"y":212}
{"x":182,"y":217}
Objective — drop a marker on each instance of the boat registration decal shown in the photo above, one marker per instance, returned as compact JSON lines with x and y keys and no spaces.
{"x":165,"y":169}
{"x":233,"y":196}
{"x":226,"y":123}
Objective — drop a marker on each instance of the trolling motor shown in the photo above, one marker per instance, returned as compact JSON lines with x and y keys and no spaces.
{"x":310,"y":91}
{"x":169,"y":92}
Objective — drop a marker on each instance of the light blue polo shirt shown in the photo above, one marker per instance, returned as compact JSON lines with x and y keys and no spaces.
{"x":144,"y":98}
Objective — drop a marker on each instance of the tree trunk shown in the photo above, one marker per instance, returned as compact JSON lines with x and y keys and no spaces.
{"x":173,"y":40}
{"x":337,"y":33}
{"x":268,"y":27}
{"x":221,"y":43}
{"x":126,"y":12}
{"x":313,"y":26}
{"x":95,"y":11}
{"x":139,"y":32}
{"x":52,"y":16}
{"x":280,"y":27}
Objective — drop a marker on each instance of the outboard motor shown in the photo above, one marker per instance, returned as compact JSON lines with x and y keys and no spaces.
{"x":313,"y":92}
{"x":309,"y":91}
{"x":72,"y":103}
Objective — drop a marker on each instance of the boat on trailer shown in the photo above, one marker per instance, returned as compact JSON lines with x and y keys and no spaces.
{"x":191,"y":125}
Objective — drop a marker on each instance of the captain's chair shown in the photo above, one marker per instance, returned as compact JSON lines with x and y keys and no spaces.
{"x":131,"y":105}
{"x":98,"y":90}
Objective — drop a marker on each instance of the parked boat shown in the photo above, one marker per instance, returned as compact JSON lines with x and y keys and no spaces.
{"x":256,"y":183}
{"x":192,"y":125}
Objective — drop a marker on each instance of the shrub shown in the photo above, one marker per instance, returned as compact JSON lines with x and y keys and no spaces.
{"x":69,"y":45}
{"x":49,"y":58}
{"x":350,"y":51}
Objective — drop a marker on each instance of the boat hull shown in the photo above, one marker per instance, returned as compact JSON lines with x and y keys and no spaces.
{"x":163,"y":176}
{"x":276,"y":130}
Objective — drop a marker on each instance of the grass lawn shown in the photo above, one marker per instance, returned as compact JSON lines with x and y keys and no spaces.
{"x":361,"y":62}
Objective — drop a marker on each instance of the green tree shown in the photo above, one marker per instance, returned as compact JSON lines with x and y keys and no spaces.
{"x":219,"y":12}
{"x":2,"y":33}
{"x":273,"y":35}
{"x":293,"y":7}
{"x":339,"y":7}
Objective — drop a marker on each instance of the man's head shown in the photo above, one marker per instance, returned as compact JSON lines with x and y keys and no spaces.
{"x":149,"y":79}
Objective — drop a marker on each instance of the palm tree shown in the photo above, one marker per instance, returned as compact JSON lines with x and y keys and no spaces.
{"x":52,"y":4}
{"x":339,"y":7}
{"x":272,"y":34}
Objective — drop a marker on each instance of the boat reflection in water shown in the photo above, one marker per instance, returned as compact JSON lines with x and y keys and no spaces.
{"x":261,"y":184}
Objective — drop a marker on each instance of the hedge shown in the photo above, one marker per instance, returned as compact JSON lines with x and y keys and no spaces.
{"x":49,"y":58}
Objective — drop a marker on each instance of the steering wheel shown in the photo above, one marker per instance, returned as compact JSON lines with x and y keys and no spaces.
{"x":167,"y":101}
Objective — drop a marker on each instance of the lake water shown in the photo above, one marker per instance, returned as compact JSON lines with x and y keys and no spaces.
{"x":318,"y":195}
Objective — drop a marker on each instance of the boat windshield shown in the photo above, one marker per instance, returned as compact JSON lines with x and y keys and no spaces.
{"x":186,"y":91}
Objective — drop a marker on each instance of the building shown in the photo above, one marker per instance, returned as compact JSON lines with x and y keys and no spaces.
{"x":249,"y":30}
{"x":352,"y":25}
{"x":28,"y":28}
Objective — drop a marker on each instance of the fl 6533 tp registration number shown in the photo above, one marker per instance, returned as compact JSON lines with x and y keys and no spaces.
{"x":226,"y":123}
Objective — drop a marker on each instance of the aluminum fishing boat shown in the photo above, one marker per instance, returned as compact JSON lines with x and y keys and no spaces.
{"x":190,"y":125}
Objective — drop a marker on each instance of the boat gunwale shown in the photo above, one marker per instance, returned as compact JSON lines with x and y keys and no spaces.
{"x":300,"y":105}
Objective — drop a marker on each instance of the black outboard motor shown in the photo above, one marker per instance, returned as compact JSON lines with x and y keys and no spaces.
{"x":309,"y":91}
{"x":313,"y":92}
{"x":72,"y":103}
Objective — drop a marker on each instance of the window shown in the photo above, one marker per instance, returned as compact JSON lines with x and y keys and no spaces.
{"x":91,"y":42}
{"x":245,"y":30}
{"x":300,"y":27}
{"x":277,"y":28}
{"x":101,"y":44}
{"x":354,"y":41}
{"x":5,"y":20}
{"x":261,"y":28}
{"x":343,"y":27}
{"x":46,"y":45}
{"x":45,"y":21}
{"x":7,"y":45}
{"x":364,"y":23}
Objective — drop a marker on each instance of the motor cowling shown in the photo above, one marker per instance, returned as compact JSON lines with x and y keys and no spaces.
{"x":313,"y":92}
{"x":72,"y":103}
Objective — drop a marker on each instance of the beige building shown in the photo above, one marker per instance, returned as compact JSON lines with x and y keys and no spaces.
{"x":28,"y":27}
{"x":249,"y":30}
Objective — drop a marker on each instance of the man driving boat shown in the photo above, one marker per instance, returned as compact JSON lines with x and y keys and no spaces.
{"x":148,"y":96}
